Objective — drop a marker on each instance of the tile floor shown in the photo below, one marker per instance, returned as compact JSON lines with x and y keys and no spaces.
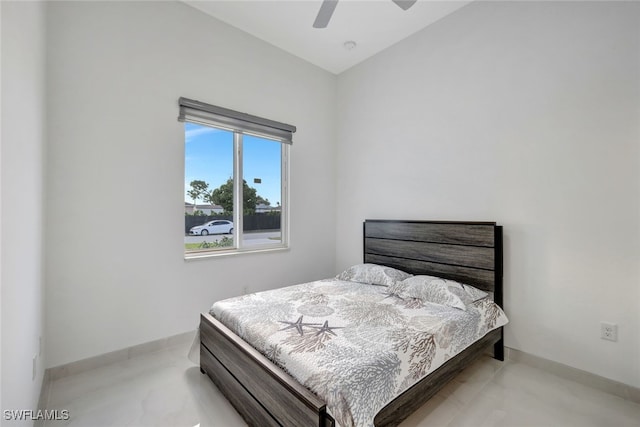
{"x":165,"y":389}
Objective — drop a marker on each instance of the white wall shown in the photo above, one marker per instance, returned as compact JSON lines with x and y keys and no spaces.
{"x":21,"y":177}
{"x":527,"y":114}
{"x":116,"y":71}
{"x":524,"y":113}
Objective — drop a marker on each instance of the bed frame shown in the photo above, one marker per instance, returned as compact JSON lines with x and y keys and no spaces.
{"x":470,"y":252}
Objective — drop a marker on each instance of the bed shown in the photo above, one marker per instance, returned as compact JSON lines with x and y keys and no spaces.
{"x":265,"y":395}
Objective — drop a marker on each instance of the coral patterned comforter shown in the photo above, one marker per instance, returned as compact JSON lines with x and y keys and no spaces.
{"x":354,"y":345}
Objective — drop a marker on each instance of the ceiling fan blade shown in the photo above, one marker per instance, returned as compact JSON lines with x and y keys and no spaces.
{"x":404,"y":4}
{"x":324,"y":14}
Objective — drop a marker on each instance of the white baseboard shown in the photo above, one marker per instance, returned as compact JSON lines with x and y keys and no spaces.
{"x":99,"y":361}
{"x":583,"y":377}
{"x":117,"y":356}
{"x":616,"y":388}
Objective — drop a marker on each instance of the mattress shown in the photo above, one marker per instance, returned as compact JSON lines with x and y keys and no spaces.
{"x":357,"y":346}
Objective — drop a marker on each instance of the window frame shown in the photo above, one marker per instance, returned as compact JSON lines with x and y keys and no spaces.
{"x":187,"y":115}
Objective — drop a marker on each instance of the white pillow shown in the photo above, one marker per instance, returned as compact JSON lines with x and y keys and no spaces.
{"x":427,"y":289}
{"x":373,"y":274}
{"x":467,"y":293}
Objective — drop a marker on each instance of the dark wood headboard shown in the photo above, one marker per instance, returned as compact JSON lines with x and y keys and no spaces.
{"x":469,"y":252}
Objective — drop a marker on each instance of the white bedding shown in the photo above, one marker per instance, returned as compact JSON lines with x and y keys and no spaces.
{"x":355,"y":345}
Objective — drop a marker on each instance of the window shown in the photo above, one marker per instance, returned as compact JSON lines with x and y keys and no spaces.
{"x":236,"y":180}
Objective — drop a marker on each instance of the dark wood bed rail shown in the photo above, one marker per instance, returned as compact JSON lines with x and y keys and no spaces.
{"x":408,"y":402}
{"x":282,"y":400}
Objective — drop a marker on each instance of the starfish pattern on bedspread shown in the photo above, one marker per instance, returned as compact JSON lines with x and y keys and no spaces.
{"x":298,"y":325}
{"x":326,"y":328}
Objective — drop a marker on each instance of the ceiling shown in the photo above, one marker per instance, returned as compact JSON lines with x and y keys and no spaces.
{"x":373,"y":24}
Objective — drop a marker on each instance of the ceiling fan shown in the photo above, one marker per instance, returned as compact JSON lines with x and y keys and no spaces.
{"x":328,"y":6}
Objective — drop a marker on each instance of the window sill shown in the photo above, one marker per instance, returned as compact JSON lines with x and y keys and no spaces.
{"x":221,"y":254}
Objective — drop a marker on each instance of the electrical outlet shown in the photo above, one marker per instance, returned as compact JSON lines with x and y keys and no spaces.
{"x":608,"y":331}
